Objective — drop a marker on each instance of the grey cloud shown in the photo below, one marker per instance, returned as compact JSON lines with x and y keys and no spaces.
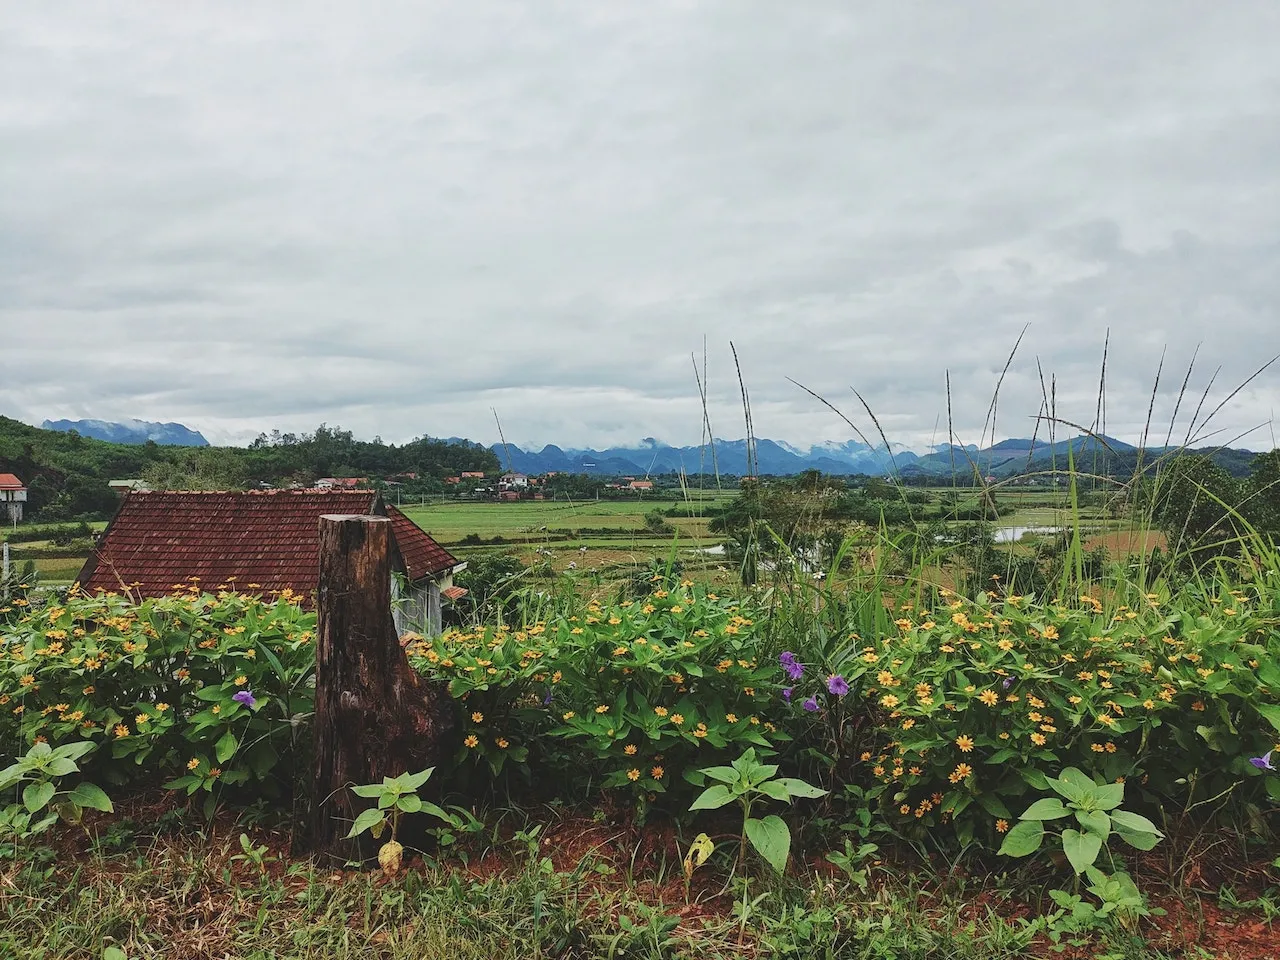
{"x":276,"y":215}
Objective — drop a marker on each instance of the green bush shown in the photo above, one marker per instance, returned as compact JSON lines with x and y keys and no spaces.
{"x":198,"y":685}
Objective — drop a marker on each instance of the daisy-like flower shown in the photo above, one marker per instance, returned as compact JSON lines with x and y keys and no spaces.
{"x":965,"y":743}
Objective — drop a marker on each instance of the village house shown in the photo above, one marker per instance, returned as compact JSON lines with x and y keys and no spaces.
{"x":640,"y":485}
{"x":13,"y":494}
{"x":259,"y":542}
{"x":513,"y":481}
{"x":341,"y":483}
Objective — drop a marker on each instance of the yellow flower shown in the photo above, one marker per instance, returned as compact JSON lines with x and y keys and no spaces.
{"x":989,"y":697}
{"x":502,"y":743}
{"x":965,"y":743}
{"x":241,"y":680}
{"x":472,"y":741}
{"x":657,"y":773}
{"x":602,"y":709}
{"x":477,"y":717}
{"x":660,"y":711}
{"x":629,"y":749}
{"x":677,"y":719}
{"x":569,"y":715}
{"x":908,"y":723}
{"x":1038,"y":739}
{"x":905,"y":809}
{"x":193,"y":763}
{"x":731,"y":718}
{"x":27,"y":679}
{"x":633,"y":775}
{"x":141,"y":718}
{"x":121,"y":731}
{"x":1002,"y":826}
{"x":961,"y":771}
{"x":889,"y":700}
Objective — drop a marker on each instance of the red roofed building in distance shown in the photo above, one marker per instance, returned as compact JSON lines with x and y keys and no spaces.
{"x":13,"y":494}
{"x":257,"y":542}
{"x":640,"y":485}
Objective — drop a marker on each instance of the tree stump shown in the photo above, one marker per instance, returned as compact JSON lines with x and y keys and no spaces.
{"x":374,"y":716}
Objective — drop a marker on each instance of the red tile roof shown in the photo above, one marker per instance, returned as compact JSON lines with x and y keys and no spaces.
{"x":453,"y":593}
{"x":422,"y":556}
{"x":269,"y":538}
{"x":9,"y":482}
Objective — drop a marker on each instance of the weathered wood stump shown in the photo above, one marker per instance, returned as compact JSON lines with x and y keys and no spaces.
{"x":374,"y":716}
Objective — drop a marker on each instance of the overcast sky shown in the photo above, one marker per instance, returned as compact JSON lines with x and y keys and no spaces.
{"x":398,"y":216}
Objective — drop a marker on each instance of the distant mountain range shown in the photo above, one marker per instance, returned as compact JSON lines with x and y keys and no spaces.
{"x":727,"y":456}
{"x":772,"y":457}
{"x":131,"y":431}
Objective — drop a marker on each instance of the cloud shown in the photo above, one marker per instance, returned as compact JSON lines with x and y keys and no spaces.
{"x":402,"y":219}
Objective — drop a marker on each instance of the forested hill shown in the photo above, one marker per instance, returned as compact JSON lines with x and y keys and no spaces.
{"x":66,"y":474}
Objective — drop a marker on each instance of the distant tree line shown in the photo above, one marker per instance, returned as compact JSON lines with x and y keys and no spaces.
{"x":67,"y":474}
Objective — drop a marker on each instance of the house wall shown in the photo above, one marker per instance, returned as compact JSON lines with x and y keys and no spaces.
{"x":416,"y":606}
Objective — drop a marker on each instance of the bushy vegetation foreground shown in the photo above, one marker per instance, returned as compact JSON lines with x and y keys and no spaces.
{"x":845,"y":727}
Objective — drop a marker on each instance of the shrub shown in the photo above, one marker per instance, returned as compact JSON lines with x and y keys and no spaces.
{"x":202,"y":685}
{"x":974,"y":704}
{"x":636,"y":694}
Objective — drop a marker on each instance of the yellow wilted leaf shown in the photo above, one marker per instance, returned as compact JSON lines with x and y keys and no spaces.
{"x":389,"y":857}
{"x":699,"y":851}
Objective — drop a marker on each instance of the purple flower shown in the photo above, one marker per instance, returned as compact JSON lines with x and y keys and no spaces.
{"x":1263,"y":762}
{"x":547,"y":699}
{"x":811,"y":704}
{"x":793,"y":667}
{"x":245,"y":697}
{"x":1008,"y":682}
{"x":786,"y":693}
{"x":786,"y":658}
{"x":837,"y":685}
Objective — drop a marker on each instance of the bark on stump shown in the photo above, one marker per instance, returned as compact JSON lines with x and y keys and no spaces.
{"x":374,"y":716}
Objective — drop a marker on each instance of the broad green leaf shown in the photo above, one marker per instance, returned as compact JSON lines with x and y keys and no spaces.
{"x":776,"y":790}
{"x":366,"y":820}
{"x":1271,"y":712}
{"x":772,"y":840}
{"x":412,"y":781}
{"x":114,"y":953}
{"x":1095,"y":821}
{"x":798,"y":788}
{"x":1047,"y":808}
{"x":722,"y":774}
{"x":36,"y":795}
{"x":74,"y":751}
{"x":410,"y":803}
{"x":1071,"y":787}
{"x":1000,"y":756}
{"x":369,"y":790}
{"x":713,"y":798}
{"x":60,"y":767}
{"x":991,"y":803}
{"x":1081,"y":848}
{"x":1134,"y":823}
{"x":1108,"y":796}
{"x":226,"y":746}
{"x":1025,"y":838}
{"x":91,"y":796}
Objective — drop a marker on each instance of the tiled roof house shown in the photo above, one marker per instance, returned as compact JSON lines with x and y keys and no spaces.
{"x":255,"y":541}
{"x":13,"y":494}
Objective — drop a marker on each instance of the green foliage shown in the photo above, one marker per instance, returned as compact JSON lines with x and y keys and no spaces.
{"x":967,"y":705}
{"x":631,"y":694}
{"x":210,"y":688}
{"x":747,"y":782}
{"x":1095,"y":808}
{"x":43,"y":800}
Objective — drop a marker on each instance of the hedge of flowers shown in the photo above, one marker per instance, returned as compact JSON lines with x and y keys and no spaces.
{"x":637,"y":694}
{"x":973,"y":703}
{"x":948,"y":721}
{"x":196,"y":685}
